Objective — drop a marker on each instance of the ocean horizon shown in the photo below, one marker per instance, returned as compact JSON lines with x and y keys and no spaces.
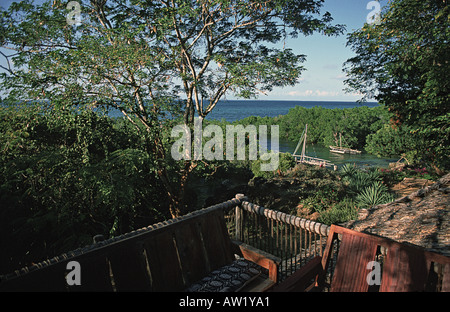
{"x":233,"y":110}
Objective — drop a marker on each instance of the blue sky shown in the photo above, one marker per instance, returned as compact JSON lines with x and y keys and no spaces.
{"x":323,"y":78}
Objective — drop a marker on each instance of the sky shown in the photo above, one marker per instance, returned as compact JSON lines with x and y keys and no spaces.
{"x":325,"y":56}
{"x":323,"y":78}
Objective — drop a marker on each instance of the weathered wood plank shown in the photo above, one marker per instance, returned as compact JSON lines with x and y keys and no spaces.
{"x":128,"y":268}
{"x":95,"y":274}
{"x":261,"y":258}
{"x":216,"y":241}
{"x":164,"y":264}
{"x":446,"y":278}
{"x":351,"y":268}
{"x":192,"y":253}
{"x":405,"y":269}
{"x":149,"y":259}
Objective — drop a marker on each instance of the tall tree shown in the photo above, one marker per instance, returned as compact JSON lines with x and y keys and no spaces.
{"x":404,"y":63}
{"x":148,"y":58}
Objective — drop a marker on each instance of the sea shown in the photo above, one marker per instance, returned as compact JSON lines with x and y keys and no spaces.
{"x":234,"y":110}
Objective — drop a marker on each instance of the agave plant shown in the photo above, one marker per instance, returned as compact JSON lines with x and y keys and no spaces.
{"x":348,"y":170}
{"x":358,"y":180}
{"x":373,"y":195}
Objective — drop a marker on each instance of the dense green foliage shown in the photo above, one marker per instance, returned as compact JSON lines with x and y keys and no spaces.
{"x":285,"y":162}
{"x":325,"y":125}
{"x":395,"y":141}
{"x":404,"y":64}
{"x":66,"y":177}
{"x":149,"y":59}
{"x":367,"y":188}
{"x":338,"y":195}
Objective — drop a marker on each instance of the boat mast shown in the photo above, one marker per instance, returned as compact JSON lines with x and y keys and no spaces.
{"x":304,"y":142}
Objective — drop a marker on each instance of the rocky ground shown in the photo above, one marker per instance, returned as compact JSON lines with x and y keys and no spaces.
{"x":421,"y":218}
{"x":420,"y":215}
{"x":410,"y":185}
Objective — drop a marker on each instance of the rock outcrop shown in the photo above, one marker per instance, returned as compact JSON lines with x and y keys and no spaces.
{"x":421,"y":218}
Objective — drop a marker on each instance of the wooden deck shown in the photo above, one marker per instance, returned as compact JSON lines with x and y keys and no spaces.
{"x":177,"y":254}
{"x":171,"y":256}
{"x":398,"y":267}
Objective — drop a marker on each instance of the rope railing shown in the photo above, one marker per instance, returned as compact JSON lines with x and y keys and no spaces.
{"x":293,"y":239}
{"x":130,"y":237}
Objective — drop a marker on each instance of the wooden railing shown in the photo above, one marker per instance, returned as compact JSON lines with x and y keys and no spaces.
{"x":135,"y":261}
{"x":167,"y":256}
{"x":293,"y":239}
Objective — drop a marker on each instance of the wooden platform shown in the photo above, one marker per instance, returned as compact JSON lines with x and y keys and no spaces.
{"x":367,"y":262}
{"x":168,"y":256}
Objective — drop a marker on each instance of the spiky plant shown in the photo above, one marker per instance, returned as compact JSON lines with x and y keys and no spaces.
{"x":373,"y":195}
{"x":348,"y":170}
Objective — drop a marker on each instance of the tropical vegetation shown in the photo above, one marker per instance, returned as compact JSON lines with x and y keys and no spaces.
{"x":403,"y":62}
{"x":68,"y":171}
{"x":153,"y":60}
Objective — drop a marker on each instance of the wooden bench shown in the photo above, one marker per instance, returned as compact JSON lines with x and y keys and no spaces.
{"x":169,"y":256}
{"x":401,"y":267}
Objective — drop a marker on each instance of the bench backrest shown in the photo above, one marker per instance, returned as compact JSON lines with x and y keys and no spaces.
{"x":400,"y":267}
{"x":168,"y":256}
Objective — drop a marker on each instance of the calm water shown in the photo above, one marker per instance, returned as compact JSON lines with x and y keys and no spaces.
{"x":236,"y":110}
{"x":239,"y":109}
{"x":319,"y":151}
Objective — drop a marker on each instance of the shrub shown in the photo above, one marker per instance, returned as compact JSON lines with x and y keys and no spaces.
{"x":65,"y":178}
{"x":348,"y":170}
{"x":374,"y":195}
{"x":286,"y":162}
{"x":343,"y":211}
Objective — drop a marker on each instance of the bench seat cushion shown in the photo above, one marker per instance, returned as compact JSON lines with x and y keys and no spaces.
{"x":229,"y":278}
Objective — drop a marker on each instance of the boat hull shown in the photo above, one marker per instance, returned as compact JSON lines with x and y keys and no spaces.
{"x":343,"y":150}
